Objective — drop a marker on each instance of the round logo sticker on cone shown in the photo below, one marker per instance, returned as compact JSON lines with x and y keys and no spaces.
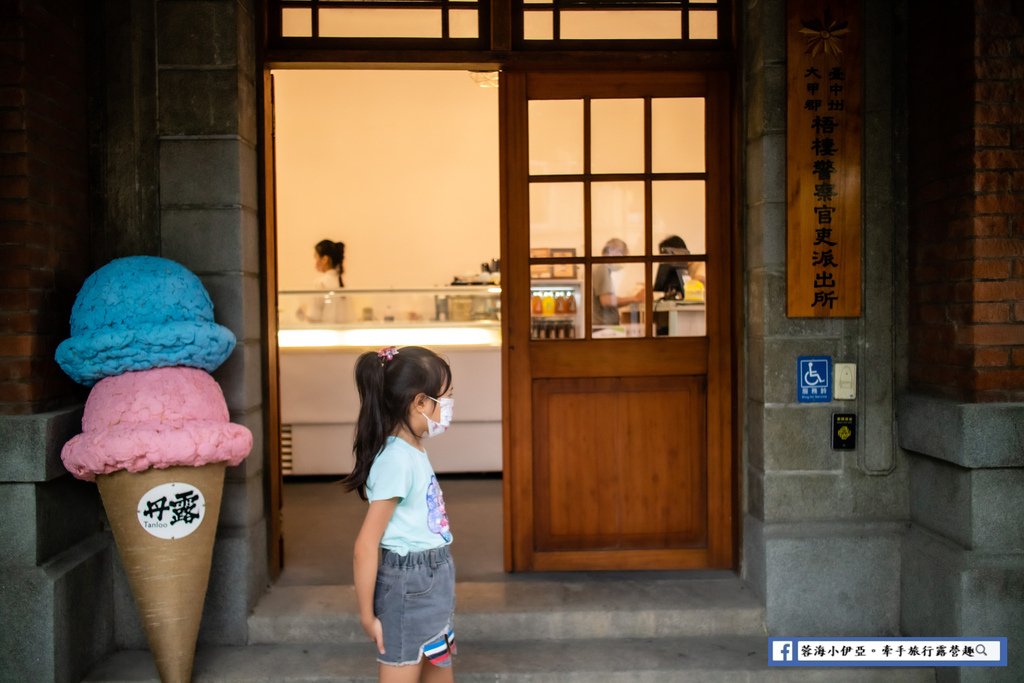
{"x":172,"y":510}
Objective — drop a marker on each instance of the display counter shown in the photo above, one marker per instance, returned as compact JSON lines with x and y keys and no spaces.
{"x":317,"y":356}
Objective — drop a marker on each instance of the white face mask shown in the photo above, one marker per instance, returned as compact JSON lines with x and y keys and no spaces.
{"x":447,"y":404}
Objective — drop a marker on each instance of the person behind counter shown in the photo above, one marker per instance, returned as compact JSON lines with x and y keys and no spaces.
{"x":606,"y":301}
{"x":329,"y":260}
{"x":674,"y":244}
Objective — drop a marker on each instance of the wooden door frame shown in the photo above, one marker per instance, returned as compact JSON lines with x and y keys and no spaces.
{"x":722,"y":324}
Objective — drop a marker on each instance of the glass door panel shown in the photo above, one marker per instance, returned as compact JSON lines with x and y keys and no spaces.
{"x":677,"y":125}
{"x":617,"y":212}
{"x":679,"y":299}
{"x":556,"y":137}
{"x":556,"y":217}
{"x":678,"y":208}
{"x":617,"y":136}
{"x":617,"y":300}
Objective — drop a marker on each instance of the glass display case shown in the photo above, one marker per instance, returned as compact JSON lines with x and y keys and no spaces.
{"x":556,"y":309}
{"x":435,"y":316}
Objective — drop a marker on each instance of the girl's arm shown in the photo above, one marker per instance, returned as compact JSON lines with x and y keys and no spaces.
{"x":364,"y":564}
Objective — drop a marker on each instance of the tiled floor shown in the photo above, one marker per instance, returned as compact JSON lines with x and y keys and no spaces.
{"x":321,"y":521}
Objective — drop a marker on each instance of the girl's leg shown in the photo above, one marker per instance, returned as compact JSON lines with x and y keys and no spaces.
{"x":388,"y":673}
{"x":437,"y":674}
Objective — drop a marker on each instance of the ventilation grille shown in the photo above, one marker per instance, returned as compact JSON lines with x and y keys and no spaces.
{"x":286,"y":449}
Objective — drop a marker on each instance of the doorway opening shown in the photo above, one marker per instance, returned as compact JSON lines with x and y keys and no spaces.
{"x":401,"y":167}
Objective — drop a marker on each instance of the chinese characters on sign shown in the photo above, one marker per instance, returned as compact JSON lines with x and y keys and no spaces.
{"x":823,"y":150}
{"x":171,"y":511}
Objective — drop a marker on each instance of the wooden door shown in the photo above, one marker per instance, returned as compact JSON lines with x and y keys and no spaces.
{"x":619,"y":433}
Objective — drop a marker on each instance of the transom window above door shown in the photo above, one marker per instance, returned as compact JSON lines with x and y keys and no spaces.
{"x":486,"y":24}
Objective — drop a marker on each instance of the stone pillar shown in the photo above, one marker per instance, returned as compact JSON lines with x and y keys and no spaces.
{"x":963,"y":560}
{"x":822,"y":528}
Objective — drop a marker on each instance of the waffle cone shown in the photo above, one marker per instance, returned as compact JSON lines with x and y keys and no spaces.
{"x":168,"y":577}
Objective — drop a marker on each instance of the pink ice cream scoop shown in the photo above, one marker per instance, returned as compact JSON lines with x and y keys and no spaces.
{"x":157,"y":418}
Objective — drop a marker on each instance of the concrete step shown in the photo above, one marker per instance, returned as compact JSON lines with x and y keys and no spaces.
{"x":717,"y":659}
{"x":531,"y":610}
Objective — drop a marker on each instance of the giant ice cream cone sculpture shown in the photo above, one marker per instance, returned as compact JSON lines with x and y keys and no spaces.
{"x":156,"y":437}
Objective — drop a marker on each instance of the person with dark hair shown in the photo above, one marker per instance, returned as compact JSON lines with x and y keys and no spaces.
{"x":329,"y":260}
{"x":403,"y":570}
{"x":674,"y":244}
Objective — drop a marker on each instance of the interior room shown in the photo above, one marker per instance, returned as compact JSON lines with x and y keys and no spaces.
{"x":401,"y":167}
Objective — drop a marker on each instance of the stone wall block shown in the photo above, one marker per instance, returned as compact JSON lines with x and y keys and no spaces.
{"x":929,"y":586}
{"x":800,"y":439}
{"x":201,"y":172}
{"x":252,"y":465}
{"x":199,"y":101}
{"x":199,"y":33}
{"x":238,"y":577}
{"x":65,"y":626}
{"x":240,"y":377}
{"x":765,"y":240}
{"x":834,"y":583}
{"x":770,"y":288}
{"x":236,"y":301}
{"x":755,"y":486}
{"x":806,"y":496}
{"x":997,"y":517}
{"x":32,"y":444}
{"x":965,"y":434}
{"x":755,"y":414}
{"x":752,"y":563}
{"x":247,"y":109}
{"x":766,"y":163}
{"x":242,"y":504}
{"x":754,"y":368}
{"x":206,"y":240}
{"x":940,"y":494}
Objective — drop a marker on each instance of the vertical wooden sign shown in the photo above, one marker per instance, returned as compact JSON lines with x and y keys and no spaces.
{"x":824,"y":44}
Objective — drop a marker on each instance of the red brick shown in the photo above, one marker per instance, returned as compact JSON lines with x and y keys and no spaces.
{"x":11,"y":392}
{"x":1018,"y":312}
{"x":18,"y":369}
{"x":25,"y":278}
{"x":1017,"y":357}
{"x":981,"y":313}
{"x":998,"y":159}
{"x":992,"y":181}
{"x":997,"y":248}
{"x":991,"y":358}
{"x":998,"y":91}
{"x":1009,"y":379}
{"x":990,"y":335}
{"x":996,"y":114}
{"x":1000,"y":203}
{"x":21,"y":299}
{"x":18,"y":346}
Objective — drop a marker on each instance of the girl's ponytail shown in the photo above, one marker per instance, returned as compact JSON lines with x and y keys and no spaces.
{"x":373,"y":425}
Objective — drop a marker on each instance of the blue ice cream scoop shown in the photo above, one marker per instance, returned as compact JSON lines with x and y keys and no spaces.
{"x":139,"y":313}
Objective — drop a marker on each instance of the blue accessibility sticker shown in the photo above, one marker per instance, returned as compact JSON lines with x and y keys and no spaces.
{"x":814,"y":379}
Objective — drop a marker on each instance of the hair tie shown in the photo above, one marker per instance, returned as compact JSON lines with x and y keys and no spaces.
{"x":387,"y":354}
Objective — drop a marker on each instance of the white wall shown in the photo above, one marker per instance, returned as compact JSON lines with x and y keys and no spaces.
{"x":401,"y":166}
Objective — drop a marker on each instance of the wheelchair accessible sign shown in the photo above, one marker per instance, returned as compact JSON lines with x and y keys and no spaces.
{"x":814,"y":379}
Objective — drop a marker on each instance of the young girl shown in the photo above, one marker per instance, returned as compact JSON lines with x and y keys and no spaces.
{"x":404,"y":574}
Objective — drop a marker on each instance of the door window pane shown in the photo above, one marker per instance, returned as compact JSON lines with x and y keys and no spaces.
{"x":538,"y":25}
{"x":296,"y":23}
{"x":617,"y":136}
{"x":463,"y":24}
{"x":617,"y":300}
{"x":617,"y":212}
{"x":556,"y":137}
{"x":556,"y":311}
{"x":679,"y":299}
{"x":678,"y":209}
{"x":677,"y":135}
{"x":556,"y":217}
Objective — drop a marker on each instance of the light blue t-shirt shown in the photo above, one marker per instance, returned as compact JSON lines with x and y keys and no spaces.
{"x":402,"y":471}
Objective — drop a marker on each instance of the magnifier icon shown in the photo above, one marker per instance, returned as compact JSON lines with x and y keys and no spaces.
{"x":980,"y":649}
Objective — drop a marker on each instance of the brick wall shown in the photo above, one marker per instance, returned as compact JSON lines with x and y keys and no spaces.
{"x":966,"y":306}
{"x":44,"y":221}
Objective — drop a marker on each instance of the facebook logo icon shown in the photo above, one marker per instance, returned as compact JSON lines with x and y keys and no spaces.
{"x":782,"y":650}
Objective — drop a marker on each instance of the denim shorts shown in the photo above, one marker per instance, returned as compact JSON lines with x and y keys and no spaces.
{"x":415,"y":601}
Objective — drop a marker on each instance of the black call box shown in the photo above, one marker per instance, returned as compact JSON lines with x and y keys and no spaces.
{"x":844,"y":431}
